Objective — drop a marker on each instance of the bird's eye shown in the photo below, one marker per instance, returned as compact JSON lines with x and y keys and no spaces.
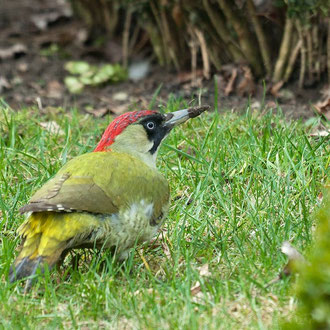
{"x":150,"y":125}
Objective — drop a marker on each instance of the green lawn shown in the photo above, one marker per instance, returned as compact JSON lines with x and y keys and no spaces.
{"x":241,"y":185}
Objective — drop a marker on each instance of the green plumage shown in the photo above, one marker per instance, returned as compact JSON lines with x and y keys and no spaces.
{"x":111,"y":198}
{"x":114,"y":200}
{"x":102,"y":183}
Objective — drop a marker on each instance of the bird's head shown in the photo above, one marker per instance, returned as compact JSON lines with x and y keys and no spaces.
{"x":140,"y":133}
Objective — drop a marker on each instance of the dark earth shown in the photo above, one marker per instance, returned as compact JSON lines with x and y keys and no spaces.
{"x":37,"y":38}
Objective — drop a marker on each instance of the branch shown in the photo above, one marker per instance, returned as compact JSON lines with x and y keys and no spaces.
{"x":262,"y":40}
{"x":303,"y":51}
{"x":205,"y":57}
{"x":221,"y":29}
{"x":127,"y":26}
{"x":328,"y":51}
{"x":245,"y":37}
{"x":284,"y":50}
{"x":292,"y":61}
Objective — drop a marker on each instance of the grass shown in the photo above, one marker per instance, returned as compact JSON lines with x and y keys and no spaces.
{"x":241,"y":185}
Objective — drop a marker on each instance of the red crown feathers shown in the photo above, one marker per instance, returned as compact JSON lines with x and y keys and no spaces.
{"x":118,"y":125}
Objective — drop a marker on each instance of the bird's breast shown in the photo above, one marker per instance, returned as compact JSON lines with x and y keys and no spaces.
{"x":131,"y":225}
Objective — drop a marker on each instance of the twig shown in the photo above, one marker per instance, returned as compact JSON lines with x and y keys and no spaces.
{"x":134,"y":43}
{"x":216,"y":61}
{"x":230,"y":85}
{"x":222,"y":31}
{"x":135,"y":46}
{"x":328,"y":51}
{"x":110,"y":21}
{"x":284,"y":50}
{"x":159,"y":35}
{"x":204,"y":51}
{"x":169,"y":41}
{"x":292,"y":60}
{"x":245,"y":37}
{"x":127,"y":26}
{"x":302,"y":54}
{"x":262,"y":40}
{"x":309,"y":54}
{"x":317,"y":51}
{"x":193,"y":50}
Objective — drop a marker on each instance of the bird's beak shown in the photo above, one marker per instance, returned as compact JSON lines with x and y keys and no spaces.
{"x":178,"y":117}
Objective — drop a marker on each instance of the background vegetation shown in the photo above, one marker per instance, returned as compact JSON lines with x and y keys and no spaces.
{"x":272,"y":38}
{"x":313,"y":289}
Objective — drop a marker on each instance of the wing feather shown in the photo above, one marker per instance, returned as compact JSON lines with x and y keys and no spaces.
{"x":100,"y":183}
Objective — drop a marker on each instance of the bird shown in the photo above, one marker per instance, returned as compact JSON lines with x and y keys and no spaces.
{"x":111,"y":198}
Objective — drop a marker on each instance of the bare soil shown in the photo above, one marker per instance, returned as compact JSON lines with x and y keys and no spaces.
{"x":37,"y":38}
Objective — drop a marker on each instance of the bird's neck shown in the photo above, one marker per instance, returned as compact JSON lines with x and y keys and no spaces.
{"x":148,"y":158}
{"x":133,"y":141}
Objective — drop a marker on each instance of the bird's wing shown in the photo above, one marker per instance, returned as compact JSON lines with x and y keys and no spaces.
{"x":100,"y":183}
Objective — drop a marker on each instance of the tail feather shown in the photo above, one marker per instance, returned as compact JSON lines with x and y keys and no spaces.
{"x":46,"y":235}
{"x":30,"y":260}
{"x":25,"y":268}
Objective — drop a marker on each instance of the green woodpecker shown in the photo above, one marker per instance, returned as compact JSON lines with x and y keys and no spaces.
{"x":111,"y":198}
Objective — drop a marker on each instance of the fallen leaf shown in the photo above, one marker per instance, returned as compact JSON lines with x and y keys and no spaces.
{"x":188,"y":76}
{"x":22,"y":67}
{"x":37,"y":87}
{"x":204,"y":270}
{"x":320,"y":133}
{"x":285,"y":95}
{"x":196,"y":288}
{"x":120,"y":96}
{"x":119,"y":109}
{"x":149,"y":291}
{"x":230,"y":86}
{"x":98,"y":113}
{"x":137,"y":292}
{"x":39,"y":103}
{"x":52,"y":112}
{"x":4,"y":84}
{"x":325,"y":91}
{"x":256,"y":105}
{"x":276,"y":88}
{"x":198,"y":297}
{"x":41,"y":21}
{"x":271,"y":104}
{"x":52,"y":127}
{"x":54,"y":89}
{"x":12,"y":51}
{"x":323,"y":107}
{"x":246,"y":86}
